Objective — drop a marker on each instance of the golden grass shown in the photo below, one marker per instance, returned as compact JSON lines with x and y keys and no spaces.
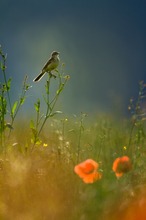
{"x":42,"y":184}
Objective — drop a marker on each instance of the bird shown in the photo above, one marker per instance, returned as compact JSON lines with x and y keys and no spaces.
{"x":52,"y":64}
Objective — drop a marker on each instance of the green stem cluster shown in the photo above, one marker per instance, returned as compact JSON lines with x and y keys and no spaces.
{"x":41,"y":119}
{"x":8,"y":111}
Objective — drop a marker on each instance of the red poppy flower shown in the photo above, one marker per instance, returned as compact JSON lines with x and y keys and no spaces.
{"x":88,"y":171}
{"x":121,"y":165}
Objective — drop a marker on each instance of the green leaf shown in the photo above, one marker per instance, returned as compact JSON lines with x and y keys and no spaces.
{"x":37,"y":106}
{"x":32,"y":126}
{"x":27,"y":87}
{"x":2,"y":66}
{"x":36,"y":141}
{"x":60,"y":89}
{"x":4,"y":88}
{"x":9,"y":84}
{"x":14,"y":107}
{"x":22,"y":100}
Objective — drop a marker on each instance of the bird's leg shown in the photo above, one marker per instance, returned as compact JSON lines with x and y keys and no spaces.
{"x":52,"y":75}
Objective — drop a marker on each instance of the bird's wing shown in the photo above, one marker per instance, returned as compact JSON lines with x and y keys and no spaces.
{"x":49,"y":61}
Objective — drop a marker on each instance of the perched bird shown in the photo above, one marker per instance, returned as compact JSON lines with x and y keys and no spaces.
{"x":52,"y":64}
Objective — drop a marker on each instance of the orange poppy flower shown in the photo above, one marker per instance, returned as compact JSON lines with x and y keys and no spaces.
{"x":88,"y":171}
{"x":121,"y":165}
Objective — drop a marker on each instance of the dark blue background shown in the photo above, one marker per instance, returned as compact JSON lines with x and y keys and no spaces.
{"x":101,"y":42}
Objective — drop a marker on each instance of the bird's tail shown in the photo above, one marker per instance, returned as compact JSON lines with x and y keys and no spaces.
{"x":38,"y":78}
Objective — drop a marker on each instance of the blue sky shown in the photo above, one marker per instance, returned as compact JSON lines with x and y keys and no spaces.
{"x":102,"y":44}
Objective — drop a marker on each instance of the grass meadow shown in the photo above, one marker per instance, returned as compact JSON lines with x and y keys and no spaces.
{"x":70,"y":167}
